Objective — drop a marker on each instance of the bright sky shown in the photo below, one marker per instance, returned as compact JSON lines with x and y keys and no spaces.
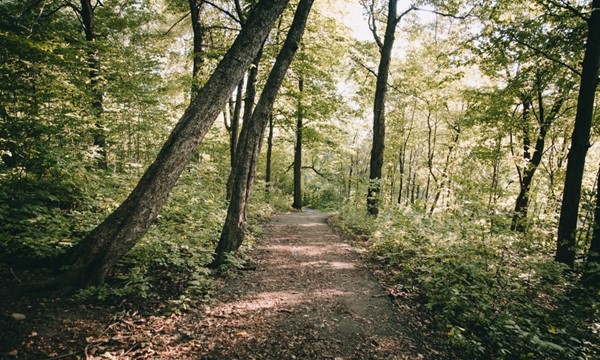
{"x":351,"y":13}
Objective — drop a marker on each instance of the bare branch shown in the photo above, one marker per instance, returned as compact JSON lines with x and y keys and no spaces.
{"x":373,"y":22}
{"x":316,"y":171}
{"x":404,"y":13}
{"x":240,"y":12}
{"x":361,"y":64}
{"x":177,"y":23}
{"x":98,"y":3}
{"x":453,"y":16}
{"x":227,"y":13}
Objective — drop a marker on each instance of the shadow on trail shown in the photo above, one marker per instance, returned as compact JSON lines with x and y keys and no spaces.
{"x":310,"y":298}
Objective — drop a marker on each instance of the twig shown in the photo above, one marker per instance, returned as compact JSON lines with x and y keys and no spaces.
{"x":15,"y":276}
{"x":66,"y":355}
{"x":177,"y":23}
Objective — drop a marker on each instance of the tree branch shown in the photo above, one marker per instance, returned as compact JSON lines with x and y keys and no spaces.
{"x":544,"y":54}
{"x":239,"y":21}
{"x":318,"y":172}
{"x":177,"y":23}
{"x":565,"y":5}
{"x":453,"y":16}
{"x":404,"y":13}
{"x":361,"y":64}
{"x":373,"y":22}
{"x":240,"y":12}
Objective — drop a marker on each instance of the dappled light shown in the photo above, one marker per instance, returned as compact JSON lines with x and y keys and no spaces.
{"x":276,"y":179}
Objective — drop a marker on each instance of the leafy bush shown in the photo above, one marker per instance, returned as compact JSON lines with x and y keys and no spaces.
{"x":496,"y":294}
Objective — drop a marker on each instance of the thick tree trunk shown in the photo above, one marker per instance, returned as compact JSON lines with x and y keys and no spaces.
{"x":196,"y":8}
{"x":376,"y":163}
{"x":248,"y":152}
{"x":297,"y":204}
{"x":580,"y":142}
{"x":269,"y":159}
{"x":108,"y":242}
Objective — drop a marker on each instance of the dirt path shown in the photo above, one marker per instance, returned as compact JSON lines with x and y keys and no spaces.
{"x":310,"y":297}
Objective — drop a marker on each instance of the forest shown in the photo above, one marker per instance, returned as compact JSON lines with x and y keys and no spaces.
{"x":146,"y":144}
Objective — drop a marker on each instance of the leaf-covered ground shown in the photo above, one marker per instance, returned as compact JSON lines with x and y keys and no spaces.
{"x":308,"y":295}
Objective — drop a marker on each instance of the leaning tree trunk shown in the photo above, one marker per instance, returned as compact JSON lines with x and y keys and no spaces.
{"x":297,"y":204}
{"x":248,"y":108}
{"x":269,"y":159}
{"x":232,"y":235}
{"x":580,"y":142}
{"x":235,"y":123}
{"x":108,"y":242}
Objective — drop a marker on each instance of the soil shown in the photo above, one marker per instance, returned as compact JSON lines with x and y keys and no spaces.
{"x":307,"y":295}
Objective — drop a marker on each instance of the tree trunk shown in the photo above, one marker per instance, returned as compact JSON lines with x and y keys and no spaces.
{"x":269,"y":159}
{"x":91,"y":259}
{"x":93,"y":60}
{"x":532,"y":162}
{"x":248,"y":152}
{"x":431,"y":142}
{"x":591,"y":272}
{"x":444,"y":176}
{"x":233,"y":134}
{"x":248,"y":107}
{"x":580,"y":142}
{"x":235,"y":121}
{"x":196,"y":7}
{"x":376,"y":163}
{"x":297,"y":204}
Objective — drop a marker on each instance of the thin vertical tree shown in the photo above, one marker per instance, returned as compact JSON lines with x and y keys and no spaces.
{"x":297,"y":204}
{"x":196,"y":9}
{"x":381,"y":87}
{"x":580,"y":142}
{"x":86,"y":16}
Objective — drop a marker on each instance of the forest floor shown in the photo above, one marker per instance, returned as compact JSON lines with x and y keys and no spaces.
{"x":307,"y":295}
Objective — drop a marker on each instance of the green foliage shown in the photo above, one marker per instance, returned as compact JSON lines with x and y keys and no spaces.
{"x":497,"y":295}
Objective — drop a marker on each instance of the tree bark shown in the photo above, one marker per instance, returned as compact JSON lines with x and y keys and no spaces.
{"x":376,"y":162}
{"x":297,"y":204}
{"x":249,"y":100}
{"x":233,"y":134}
{"x":591,"y":272}
{"x":93,"y":60}
{"x":533,"y":162}
{"x":196,"y":8}
{"x":91,"y":259}
{"x":580,"y":142}
{"x":251,"y":135}
{"x":269,"y":159}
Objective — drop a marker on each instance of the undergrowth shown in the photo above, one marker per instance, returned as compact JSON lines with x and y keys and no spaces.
{"x":494,"y":293}
{"x":166,"y":268}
